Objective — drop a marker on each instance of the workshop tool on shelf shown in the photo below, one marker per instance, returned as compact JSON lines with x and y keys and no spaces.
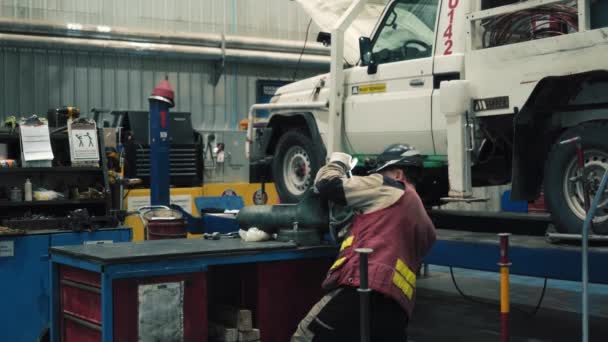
{"x":504,"y":286}
{"x":116,"y":178}
{"x":364,"y":292}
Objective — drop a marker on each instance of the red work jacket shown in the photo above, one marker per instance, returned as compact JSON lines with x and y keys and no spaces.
{"x":400,"y":236}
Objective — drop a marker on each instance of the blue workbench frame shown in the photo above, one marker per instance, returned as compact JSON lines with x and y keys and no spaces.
{"x":159,"y":268}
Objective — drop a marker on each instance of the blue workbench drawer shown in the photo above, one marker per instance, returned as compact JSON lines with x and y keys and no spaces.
{"x":24,"y":279}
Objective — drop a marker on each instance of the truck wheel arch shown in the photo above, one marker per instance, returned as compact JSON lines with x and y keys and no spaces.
{"x":544,"y":111}
{"x":281,"y":123}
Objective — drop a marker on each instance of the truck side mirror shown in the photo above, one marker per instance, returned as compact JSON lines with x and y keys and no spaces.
{"x":366,"y":55}
{"x":324,"y":38}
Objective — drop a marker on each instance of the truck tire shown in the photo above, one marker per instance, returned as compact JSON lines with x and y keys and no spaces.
{"x":563,"y":196}
{"x":294,"y":166}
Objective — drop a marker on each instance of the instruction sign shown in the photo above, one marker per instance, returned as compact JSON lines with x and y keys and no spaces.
{"x":184,"y":201}
{"x":83,"y":141}
{"x":7,"y":249}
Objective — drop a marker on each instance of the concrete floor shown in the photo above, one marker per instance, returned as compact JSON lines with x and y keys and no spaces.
{"x":441,"y":314}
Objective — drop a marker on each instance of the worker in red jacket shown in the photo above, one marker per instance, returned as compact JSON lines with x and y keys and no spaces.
{"x":390,"y":219}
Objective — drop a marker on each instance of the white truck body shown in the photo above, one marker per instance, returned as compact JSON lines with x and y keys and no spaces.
{"x":375,"y":120}
{"x":402,"y":101}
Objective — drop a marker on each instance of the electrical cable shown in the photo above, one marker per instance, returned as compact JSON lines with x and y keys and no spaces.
{"x":295,"y":72}
{"x":530,"y":24}
{"x":487,"y":303}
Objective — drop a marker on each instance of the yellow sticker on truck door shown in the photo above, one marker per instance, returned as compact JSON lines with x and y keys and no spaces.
{"x":369,"y":89}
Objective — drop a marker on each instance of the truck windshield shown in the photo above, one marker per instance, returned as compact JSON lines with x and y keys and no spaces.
{"x":407,"y":31}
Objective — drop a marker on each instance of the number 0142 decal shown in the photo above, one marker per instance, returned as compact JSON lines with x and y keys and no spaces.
{"x":448,"y":33}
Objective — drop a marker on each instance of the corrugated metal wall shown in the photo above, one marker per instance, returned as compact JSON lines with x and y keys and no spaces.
{"x":31,"y":81}
{"x":263,"y":18}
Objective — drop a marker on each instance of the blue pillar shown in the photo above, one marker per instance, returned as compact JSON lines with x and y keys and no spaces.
{"x":160,"y":146}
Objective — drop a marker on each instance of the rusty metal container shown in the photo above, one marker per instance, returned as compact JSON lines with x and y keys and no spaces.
{"x":164,"y":223}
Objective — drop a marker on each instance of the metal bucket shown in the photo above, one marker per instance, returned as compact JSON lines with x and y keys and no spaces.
{"x":164,"y":223}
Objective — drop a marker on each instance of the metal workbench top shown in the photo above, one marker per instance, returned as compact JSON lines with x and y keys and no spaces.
{"x":165,"y":249}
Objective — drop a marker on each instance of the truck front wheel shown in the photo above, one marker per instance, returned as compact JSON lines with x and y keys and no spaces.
{"x":564,"y":195}
{"x":295,"y":165}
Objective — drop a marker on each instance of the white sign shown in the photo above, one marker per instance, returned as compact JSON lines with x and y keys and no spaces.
{"x":7,"y":248}
{"x":83,"y":141}
{"x":184,"y":201}
{"x":36,"y":141}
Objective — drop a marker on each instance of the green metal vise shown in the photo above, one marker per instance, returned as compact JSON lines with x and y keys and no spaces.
{"x":303,"y":223}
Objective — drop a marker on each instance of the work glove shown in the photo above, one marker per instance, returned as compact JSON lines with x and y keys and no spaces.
{"x":345,"y":160}
{"x":253,"y":235}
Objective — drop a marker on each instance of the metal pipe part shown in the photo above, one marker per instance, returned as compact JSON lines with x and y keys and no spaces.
{"x":282,"y":216}
{"x":310,"y":213}
{"x":585,"y":255}
{"x":336,"y":92}
{"x":163,"y":50}
{"x":275,"y":106}
{"x":76,"y":30}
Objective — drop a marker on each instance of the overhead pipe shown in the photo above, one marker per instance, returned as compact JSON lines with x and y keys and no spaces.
{"x":165,"y":50}
{"x":75,"y":30}
{"x":276,"y":106}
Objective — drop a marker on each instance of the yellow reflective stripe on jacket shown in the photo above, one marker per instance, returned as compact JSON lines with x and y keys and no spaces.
{"x":402,"y":284}
{"x":347,"y":243}
{"x":338,"y":263}
{"x":406,"y":273}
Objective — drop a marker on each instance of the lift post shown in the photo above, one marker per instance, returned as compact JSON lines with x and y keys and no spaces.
{"x":160,"y":144}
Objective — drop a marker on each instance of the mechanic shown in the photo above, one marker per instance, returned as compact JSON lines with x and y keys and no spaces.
{"x":389,"y":218}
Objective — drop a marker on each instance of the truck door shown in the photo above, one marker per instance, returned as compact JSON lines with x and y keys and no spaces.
{"x":394,"y":104}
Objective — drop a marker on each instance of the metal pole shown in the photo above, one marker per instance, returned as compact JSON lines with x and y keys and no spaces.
{"x":159,"y":140}
{"x":364,"y":292}
{"x":504,"y":286}
{"x":585,"y":251}
{"x":336,"y":72}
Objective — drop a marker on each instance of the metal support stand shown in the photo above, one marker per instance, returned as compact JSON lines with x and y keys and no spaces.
{"x":585,"y":254}
{"x":364,"y":292}
{"x":504,"y":286}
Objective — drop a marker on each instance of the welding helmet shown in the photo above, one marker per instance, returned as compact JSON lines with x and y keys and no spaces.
{"x":398,"y":155}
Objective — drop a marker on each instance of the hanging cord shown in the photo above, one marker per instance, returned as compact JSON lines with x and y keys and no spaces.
{"x":295,"y":72}
{"x":483,"y":302}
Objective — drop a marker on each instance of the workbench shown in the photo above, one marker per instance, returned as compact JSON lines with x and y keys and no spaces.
{"x":24,"y":277}
{"x":97,"y":289}
{"x":100,"y":292}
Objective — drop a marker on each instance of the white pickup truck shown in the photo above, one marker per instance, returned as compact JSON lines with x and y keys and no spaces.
{"x":485,"y":89}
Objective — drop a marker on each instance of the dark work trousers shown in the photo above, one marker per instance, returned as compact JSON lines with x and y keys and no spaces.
{"x":335,"y":318}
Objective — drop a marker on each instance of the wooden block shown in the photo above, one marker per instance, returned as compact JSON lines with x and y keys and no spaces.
{"x":252,"y":335}
{"x":220,"y":333}
{"x":234,"y":317}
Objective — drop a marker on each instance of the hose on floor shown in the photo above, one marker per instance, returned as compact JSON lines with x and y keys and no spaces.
{"x":483,"y":302}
